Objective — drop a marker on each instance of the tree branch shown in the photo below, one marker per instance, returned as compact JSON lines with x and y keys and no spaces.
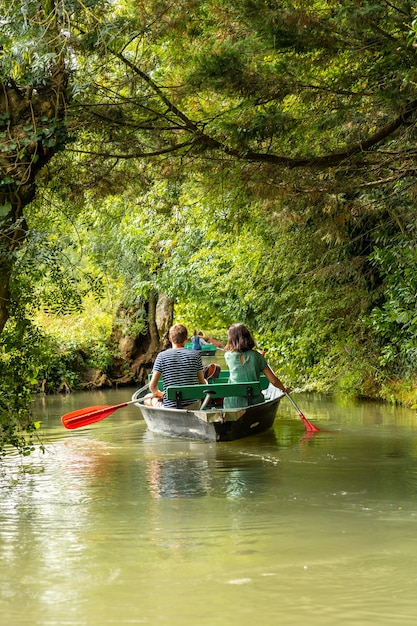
{"x":203,"y":139}
{"x":136,"y":155}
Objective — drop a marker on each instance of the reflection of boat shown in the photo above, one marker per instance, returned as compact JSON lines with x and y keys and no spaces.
{"x":206,"y":348}
{"x":213,"y":422}
{"x":183,"y":468}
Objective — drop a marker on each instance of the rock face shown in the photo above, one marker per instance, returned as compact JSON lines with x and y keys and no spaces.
{"x":127,"y":348}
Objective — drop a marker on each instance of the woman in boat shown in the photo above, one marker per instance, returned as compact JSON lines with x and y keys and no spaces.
{"x":246,"y":364}
{"x":195,"y":340}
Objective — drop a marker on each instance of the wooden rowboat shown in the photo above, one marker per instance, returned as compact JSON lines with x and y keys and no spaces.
{"x":213,"y":422}
{"x":206,"y":349}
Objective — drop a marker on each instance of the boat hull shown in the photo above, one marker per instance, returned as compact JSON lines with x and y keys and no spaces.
{"x":206,"y":350}
{"x":210,"y":425}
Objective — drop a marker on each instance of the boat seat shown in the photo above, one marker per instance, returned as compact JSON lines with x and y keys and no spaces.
{"x":223,"y":377}
{"x":181,"y":393}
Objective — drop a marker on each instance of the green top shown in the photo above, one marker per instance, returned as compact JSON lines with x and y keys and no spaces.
{"x":244,"y":366}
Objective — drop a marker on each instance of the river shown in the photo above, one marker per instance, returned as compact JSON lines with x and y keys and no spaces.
{"x":113,"y":525}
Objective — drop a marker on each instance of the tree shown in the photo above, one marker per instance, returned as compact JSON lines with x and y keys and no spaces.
{"x":35,"y":66}
{"x":314,"y":96}
{"x":300,"y":114}
{"x":34,"y":74}
{"x":315,"y":87}
{"x":312,"y":108}
{"x":131,"y":246}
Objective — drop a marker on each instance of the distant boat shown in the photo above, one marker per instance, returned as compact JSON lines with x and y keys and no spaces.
{"x":205,"y":348}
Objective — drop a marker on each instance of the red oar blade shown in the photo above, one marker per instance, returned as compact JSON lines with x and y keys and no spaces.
{"x":310,"y":428}
{"x":90,"y":415}
{"x":308,"y":425}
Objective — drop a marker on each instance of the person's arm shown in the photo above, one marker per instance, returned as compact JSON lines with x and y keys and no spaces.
{"x":274,"y":379}
{"x":153,"y":385}
{"x":201,"y":379}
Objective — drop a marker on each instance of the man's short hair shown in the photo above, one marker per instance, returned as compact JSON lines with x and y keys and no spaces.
{"x":178,"y":333}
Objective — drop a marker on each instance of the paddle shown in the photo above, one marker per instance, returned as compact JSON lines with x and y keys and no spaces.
{"x":92,"y":414}
{"x":308,"y":425}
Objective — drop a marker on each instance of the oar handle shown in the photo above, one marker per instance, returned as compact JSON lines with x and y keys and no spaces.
{"x":308,"y":425}
{"x":293,"y":403}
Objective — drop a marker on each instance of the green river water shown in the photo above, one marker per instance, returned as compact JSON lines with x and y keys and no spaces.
{"x":115,"y":526}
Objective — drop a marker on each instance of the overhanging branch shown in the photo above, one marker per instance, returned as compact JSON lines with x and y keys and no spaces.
{"x":202,"y":139}
{"x":133,"y":155}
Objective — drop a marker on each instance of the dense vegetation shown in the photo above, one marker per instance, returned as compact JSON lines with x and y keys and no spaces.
{"x":211,"y":161}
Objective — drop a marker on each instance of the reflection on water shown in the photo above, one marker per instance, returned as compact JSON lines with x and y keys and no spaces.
{"x":115,"y":525}
{"x":193,"y":469}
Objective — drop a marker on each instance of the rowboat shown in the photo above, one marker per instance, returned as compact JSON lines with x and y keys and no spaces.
{"x":212,"y":422}
{"x":206,"y":349}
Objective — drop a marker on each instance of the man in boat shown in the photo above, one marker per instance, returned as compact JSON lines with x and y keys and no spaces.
{"x":206,"y":341}
{"x":177,"y":366}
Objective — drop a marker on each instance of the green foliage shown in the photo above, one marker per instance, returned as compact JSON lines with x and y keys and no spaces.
{"x":49,"y":275}
{"x":20,"y":349}
{"x":394,"y":322}
{"x":56,"y":353}
{"x":287,"y":251}
{"x":252,"y":160}
{"x":34,"y":34}
{"x":73,"y":344}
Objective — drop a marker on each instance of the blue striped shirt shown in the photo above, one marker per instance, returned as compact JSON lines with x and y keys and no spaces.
{"x":178,"y":366}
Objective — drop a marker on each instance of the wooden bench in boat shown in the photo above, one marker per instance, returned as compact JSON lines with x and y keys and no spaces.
{"x":247,"y":390}
{"x":223,"y":377}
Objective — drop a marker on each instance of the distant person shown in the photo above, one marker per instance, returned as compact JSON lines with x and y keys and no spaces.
{"x":195,"y":341}
{"x":246,"y":364}
{"x":206,"y":341}
{"x":177,"y":366}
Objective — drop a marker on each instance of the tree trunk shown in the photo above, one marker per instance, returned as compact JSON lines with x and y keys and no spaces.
{"x":164,"y":318}
{"x":152,"y":325}
{"x":137,"y":352}
{"x":32,"y":130}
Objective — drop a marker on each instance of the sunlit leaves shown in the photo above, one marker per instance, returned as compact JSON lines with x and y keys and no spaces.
{"x":395,"y":321}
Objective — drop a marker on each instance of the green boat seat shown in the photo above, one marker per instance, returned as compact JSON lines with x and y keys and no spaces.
{"x":222,"y":379}
{"x":247,"y":390}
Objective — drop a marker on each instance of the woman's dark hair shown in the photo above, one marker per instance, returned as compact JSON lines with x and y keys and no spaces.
{"x":239,"y":339}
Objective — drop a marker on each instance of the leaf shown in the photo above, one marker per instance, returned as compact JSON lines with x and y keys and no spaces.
{"x":5,"y":209}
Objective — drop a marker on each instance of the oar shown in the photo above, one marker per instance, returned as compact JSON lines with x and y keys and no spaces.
{"x":92,"y":414}
{"x":308,"y":425}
